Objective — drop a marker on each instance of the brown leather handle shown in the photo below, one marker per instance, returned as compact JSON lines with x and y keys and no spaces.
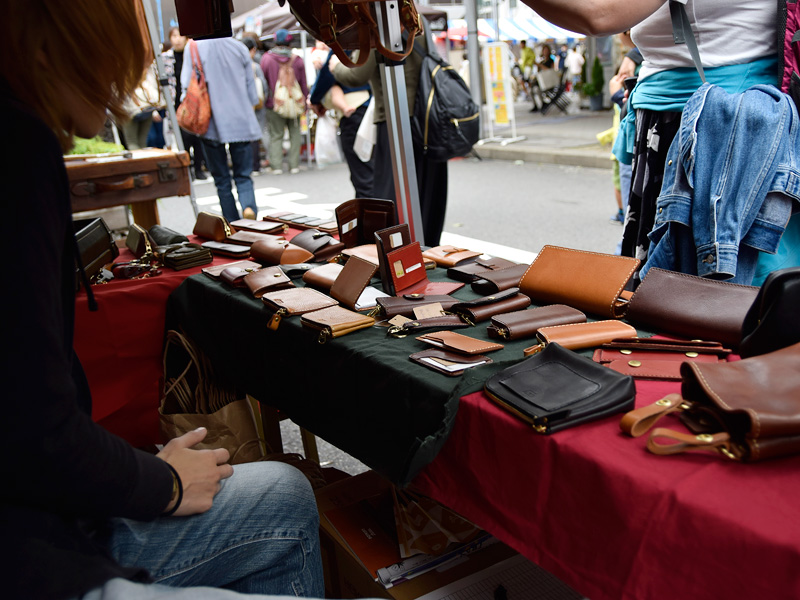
{"x":639,"y":421}
{"x":675,"y":442}
{"x":91,"y":188}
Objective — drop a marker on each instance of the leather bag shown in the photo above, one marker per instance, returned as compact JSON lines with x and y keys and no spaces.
{"x":194,"y":113}
{"x":96,"y":246}
{"x":212,"y":227}
{"x":773,"y":321}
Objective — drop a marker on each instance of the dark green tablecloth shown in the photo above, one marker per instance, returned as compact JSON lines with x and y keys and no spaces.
{"x":359,"y":392}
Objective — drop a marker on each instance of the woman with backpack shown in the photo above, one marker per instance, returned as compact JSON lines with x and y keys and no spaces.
{"x":286,"y":101}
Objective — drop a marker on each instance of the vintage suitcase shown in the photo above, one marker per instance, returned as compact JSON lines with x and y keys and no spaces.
{"x":137,"y":177}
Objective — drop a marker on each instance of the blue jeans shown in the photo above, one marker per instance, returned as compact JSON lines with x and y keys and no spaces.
{"x":260,"y":537}
{"x":242,"y":160}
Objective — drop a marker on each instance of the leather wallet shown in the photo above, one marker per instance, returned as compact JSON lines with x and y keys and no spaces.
{"x":277,"y":252}
{"x":557,"y":389}
{"x":268,"y":279}
{"x":482,"y":309}
{"x":300,"y":221}
{"x":352,"y":280}
{"x":450,"y":256}
{"x":294,"y":301}
{"x":225,"y":249}
{"x":498,"y":280}
{"x":360,"y":218}
{"x":248,"y":238}
{"x":526,"y":323}
{"x":691,"y":306}
{"x":322,"y":245}
{"x":138,"y":241}
{"x":408,"y":275}
{"x":215,"y":271}
{"x":234,"y":276}
{"x":367,"y":252}
{"x":405,"y":305}
{"x":456,"y":342}
{"x":186,"y":256}
{"x":387,"y":240}
{"x":589,"y":281}
{"x":448,"y":363}
{"x":212,"y":227}
{"x":654,"y":358}
{"x":469,"y":272}
{"x":335,"y":321}
{"x":164,"y":236}
{"x":260,"y":226}
{"x":323,"y":276}
{"x":577,"y":336}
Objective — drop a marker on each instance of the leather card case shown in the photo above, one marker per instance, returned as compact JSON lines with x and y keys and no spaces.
{"x":350,"y":283}
{"x":498,"y":280}
{"x":225,"y":249}
{"x":248,"y":238}
{"x":270,"y":227}
{"x":335,"y":321}
{"x":456,"y":342}
{"x":450,"y":256}
{"x":268,"y":279}
{"x":471,"y":271}
{"x":294,"y":301}
{"x":358,"y":220}
{"x":577,"y":336}
{"x":408,"y":274}
{"x":526,"y":323}
{"x":214,"y":272}
{"x":212,"y":227}
{"x":448,"y":363}
{"x":323,"y":276}
{"x":592,"y":282}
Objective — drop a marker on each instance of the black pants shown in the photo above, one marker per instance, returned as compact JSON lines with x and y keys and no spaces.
{"x":194,"y":146}
{"x":431,"y":182}
{"x":361,"y":173}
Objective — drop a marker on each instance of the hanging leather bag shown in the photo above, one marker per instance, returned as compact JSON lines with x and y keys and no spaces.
{"x":194,"y":113}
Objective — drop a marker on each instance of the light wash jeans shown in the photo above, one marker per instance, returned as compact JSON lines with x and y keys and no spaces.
{"x":260,"y":537}
{"x":242,"y":160}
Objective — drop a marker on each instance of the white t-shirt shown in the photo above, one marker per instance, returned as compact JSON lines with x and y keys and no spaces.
{"x":728,"y":32}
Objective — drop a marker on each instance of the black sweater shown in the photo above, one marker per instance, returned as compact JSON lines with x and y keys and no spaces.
{"x":63,"y":476}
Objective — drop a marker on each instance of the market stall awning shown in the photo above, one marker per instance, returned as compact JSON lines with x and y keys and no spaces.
{"x":540,"y":29}
{"x":457,"y":30}
{"x":508,"y":30}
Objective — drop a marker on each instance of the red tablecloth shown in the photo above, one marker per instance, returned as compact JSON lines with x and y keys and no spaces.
{"x":592,"y":506}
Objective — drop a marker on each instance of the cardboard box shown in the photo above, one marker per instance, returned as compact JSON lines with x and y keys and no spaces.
{"x":346,"y":577}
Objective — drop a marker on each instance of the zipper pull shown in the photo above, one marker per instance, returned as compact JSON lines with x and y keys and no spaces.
{"x":276,"y":319}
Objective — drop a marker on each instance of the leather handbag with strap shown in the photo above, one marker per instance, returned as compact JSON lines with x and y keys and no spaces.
{"x":194,"y":113}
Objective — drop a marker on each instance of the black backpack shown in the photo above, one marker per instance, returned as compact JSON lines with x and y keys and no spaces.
{"x":446,"y":121}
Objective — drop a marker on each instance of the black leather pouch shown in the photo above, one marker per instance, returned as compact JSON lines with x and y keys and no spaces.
{"x":96,"y":246}
{"x":164,"y":236}
{"x":138,"y":241}
{"x":772,"y":323}
{"x":185,"y":256}
{"x":557,"y":388}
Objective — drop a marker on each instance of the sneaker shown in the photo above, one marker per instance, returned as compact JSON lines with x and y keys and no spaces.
{"x":617,"y":218}
{"x":294,"y":171}
{"x":275,"y":172}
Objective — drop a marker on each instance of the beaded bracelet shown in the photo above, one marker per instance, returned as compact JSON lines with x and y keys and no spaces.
{"x":176,"y":481}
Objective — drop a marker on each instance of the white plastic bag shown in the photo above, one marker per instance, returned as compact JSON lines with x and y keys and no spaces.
{"x":365,"y":137}
{"x":326,"y":142}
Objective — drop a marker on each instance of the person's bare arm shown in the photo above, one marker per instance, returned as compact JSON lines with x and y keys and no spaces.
{"x":595,"y":17}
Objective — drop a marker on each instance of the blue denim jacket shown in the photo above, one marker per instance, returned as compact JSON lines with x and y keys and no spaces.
{"x":729,"y":184}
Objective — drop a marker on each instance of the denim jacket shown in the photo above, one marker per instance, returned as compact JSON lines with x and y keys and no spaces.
{"x":729,"y":184}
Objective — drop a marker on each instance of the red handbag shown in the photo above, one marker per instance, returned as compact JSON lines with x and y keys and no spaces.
{"x":194,"y":113}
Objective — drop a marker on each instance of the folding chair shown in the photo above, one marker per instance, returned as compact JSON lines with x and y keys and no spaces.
{"x":553,"y":86}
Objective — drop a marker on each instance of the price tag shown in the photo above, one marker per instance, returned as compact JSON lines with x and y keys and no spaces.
{"x":429,"y":310}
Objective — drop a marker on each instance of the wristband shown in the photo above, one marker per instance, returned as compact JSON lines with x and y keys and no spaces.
{"x":177,"y":491}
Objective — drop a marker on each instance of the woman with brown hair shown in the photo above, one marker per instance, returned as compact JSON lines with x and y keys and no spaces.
{"x":83,"y":514}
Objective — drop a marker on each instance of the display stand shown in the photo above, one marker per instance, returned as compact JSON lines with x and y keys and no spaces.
{"x":499,"y":97}
{"x":398,"y":122}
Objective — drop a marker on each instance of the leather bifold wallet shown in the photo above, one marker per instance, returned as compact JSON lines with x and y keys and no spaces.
{"x":225,"y":249}
{"x":323,"y":276}
{"x":186,"y":256}
{"x":482,"y":309}
{"x":408,"y":274}
{"x":448,"y":363}
{"x":279,"y":252}
{"x":387,"y":240}
{"x":335,"y":321}
{"x":526,"y":323}
{"x":557,"y":389}
{"x":322,"y":245}
{"x":577,"y":336}
{"x":355,"y":276}
{"x":589,"y":281}
{"x":360,"y":218}
{"x":294,"y":301}
{"x":499,"y":280}
{"x":471,"y":271}
{"x":260,"y":226}
{"x":248,"y":238}
{"x":456,"y":342}
{"x":656,"y":358}
{"x":405,"y":305}
{"x":268,"y":279}
{"x":215,"y":271}
{"x":692,"y":307}
{"x":212,"y":227}
{"x":450,"y":256}
{"x":234,"y":276}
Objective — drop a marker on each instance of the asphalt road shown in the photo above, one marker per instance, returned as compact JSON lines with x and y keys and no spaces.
{"x":508,"y":209}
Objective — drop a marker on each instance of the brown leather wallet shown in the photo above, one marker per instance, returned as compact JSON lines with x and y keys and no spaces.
{"x":527,"y":322}
{"x":322,"y":277}
{"x":265,"y":280}
{"x":456,"y":342}
{"x":279,"y":252}
{"x":498,"y":280}
{"x":212,"y":227}
{"x":482,"y":309}
{"x":322,"y":245}
{"x":294,"y":301}
{"x":447,"y":363}
{"x":259,"y":226}
{"x":450,"y":256}
{"x":469,"y":272}
{"x":248,"y":238}
{"x":214,"y":272}
{"x":577,"y":336}
{"x":234,"y":276}
{"x":589,"y":281}
{"x":358,"y":220}
{"x":335,"y":321}
{"x":352,"y":280}
{"x":405,"y":305}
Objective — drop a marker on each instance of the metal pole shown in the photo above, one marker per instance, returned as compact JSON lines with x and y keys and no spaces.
{"x":398,"y":122}
{"x":304,"y":47}
{"x":166,"y":91}
{"x":473,"y":50}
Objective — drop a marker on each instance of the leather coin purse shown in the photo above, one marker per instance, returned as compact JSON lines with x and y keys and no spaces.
{"x":279,"y":252}
{"x":335,"y":321}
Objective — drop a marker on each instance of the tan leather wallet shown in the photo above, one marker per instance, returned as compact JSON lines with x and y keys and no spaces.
{"x":355,"y":276}
{"x":449,"y":256}
{"x":589,"y":281}
{"x":450,"y":340}
{"x":268,"y":279}
{"x":279,"y":252}
{"x":576,"y":336}
{"x":322,"y":277}
{"x":335,"y":321}
{"x":294,"y":301}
